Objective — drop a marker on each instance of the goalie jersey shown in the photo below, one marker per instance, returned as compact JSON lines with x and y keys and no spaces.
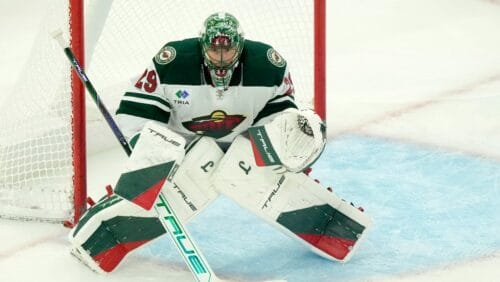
{"x":176,"y":89}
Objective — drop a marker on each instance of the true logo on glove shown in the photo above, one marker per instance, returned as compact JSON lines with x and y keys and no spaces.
{"x":263,"y":150}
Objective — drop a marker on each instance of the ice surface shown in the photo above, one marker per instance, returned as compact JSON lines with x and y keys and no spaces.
{"x":414,"y":126}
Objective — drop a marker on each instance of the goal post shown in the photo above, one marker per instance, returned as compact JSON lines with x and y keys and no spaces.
{"x":320,"y":58}
{"x":77,"y":44}
{"x":47,"y":126}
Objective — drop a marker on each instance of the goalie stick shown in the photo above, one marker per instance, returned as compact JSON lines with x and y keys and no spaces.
{"x":191,"y":254}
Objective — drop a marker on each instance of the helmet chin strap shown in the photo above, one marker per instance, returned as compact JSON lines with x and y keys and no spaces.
{"x":221,"y":82}
{"x":221,"y":77}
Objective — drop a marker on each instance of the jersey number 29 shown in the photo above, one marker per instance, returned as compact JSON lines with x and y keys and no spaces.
{"x":147,"y":81}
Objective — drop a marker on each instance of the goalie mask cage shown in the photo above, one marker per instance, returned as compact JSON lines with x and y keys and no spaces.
{"x":47,"y":128}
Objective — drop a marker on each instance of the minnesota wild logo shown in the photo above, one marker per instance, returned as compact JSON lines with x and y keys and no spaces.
{"x":275,"y":58}
{"x":166,"y":55}
{"x":218,"y":124}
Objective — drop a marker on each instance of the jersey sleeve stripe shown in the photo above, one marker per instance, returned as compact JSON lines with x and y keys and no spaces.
{"x":281,"y":97}
{"x":272,"y":108}
{"x":148,"y":97}
{"x":147,"y":102}
{"x":146,"y":111}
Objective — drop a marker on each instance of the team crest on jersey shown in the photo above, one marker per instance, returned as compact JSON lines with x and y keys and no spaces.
{"x":275,"y":58}
{"x":218,"y":124}
{"x":166,"y":55}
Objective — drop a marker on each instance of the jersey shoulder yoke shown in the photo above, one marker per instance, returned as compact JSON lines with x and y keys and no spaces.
{"x":262,"y":64}
{"x":179,"y":62}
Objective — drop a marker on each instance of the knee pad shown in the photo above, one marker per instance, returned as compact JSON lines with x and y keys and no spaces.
{"x":188,"y":189}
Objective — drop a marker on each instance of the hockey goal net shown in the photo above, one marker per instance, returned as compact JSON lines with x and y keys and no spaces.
{"x":43,"y":141}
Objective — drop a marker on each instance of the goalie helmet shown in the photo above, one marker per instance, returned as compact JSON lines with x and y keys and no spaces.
{"x":221,"y":43}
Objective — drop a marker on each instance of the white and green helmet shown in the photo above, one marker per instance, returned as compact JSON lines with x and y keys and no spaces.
{"x":221,"y":43}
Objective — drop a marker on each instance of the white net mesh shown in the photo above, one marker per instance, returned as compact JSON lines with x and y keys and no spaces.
{"x":121,"y":38}
{"x":35,"y":148}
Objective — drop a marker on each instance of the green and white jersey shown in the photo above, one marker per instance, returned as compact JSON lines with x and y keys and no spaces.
{"x":176,"y":89}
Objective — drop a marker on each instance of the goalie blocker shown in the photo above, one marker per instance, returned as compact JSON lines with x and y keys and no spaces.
{"x":291,"y":202}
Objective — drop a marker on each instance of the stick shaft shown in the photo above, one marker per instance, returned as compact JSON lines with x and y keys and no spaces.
{"x":93,"y":93}
{"x":186,"y":246}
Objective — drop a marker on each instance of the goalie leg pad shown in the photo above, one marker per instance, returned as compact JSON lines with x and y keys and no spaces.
{"x":291,"y":202}
{"x":156,"y":154}
{"x":109,"y":230}
{"x":113,"y":227}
